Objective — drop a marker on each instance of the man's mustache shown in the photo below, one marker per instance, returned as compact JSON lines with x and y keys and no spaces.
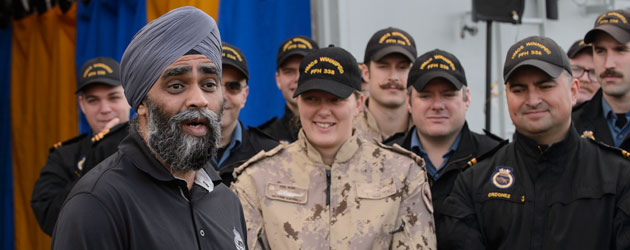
{"x":611,"y":72}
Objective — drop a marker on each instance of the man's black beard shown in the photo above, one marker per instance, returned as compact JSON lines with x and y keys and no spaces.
{"x":180,"y":151}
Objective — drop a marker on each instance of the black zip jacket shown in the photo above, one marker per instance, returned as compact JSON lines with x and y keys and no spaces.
{"x":590,"y":117}
{"x":471,"y":145}
{"x":284,"y":129}
{"x":253,"y":141}
{"x":574,"y":194}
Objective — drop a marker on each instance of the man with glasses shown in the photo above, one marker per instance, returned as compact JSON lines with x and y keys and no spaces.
{"x":605,"y":116}
{"x":237,"y":144}
{"x":581,"y":58}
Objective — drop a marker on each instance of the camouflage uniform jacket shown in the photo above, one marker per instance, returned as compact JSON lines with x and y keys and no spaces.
{"x":372,"y":197}
{"x":367,"y":128}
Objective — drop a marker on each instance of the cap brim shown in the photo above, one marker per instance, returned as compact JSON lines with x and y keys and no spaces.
{"x":617,"y":33}
{"x":550,"y":69}
{"x":390,"y":50}
{"x":237,"y":67}
{"x":290,"y":54}
{"x":426,"y":78}
{"x":106,"y":81}
{"x":335,"y":88}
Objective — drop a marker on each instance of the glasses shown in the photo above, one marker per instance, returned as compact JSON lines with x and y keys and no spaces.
{"x":234,"y":87}
{"x":578,"y":72}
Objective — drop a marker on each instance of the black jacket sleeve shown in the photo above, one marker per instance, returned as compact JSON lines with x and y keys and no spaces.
{"x":51,"y":189}
{"x":461,"y":227}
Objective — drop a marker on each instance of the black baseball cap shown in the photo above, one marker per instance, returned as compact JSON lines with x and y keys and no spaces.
{"x":333,"y":70}
{"x":388,"y":41}
{"x":434,"y":64}
{"x":234,"y":57}
{"x":297,"y":45}
{"x":614,"y":23}
{"x":577,"y":47}
{"x":537,"y":51}
{"x":102,"y":70}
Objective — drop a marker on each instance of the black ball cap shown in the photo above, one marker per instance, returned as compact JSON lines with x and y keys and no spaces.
{"x":436,"y":64}
{"x":333,"y":70}
{"x":537,"y":51}
{"x":295,"y":46}
{"x":234,"y":57}
{"x":577,"y":47}
{"x":615,"y":23}
{"x":99,"y":70}
{"x":388,"y":41}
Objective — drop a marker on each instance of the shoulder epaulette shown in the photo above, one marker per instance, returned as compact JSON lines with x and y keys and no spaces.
{"x":493,"y":136}
{"x":399,"y":149}
{"x":485,"y":155}
{"x":107,"y":132}
{"x":589,"y":135}
{"x":261,"y":155}
{"x":66,"y":142}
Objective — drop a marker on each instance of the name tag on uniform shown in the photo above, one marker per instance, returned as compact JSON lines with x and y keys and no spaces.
{"x":288,"y":193}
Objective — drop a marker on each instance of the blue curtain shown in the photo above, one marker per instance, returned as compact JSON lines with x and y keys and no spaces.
{"x":104,"y":28}
{"x":6,"y":174}
{"x":258,"y":27}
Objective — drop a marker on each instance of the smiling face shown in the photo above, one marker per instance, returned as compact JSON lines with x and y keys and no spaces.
{"x":235,"y":92}
{"x":387,"y":80}
{"x":104,"y":106}
{"x":327,"y":119}
{"x":439,"y":110}
{"x":540,"y":106}
{"x":612,"y":65}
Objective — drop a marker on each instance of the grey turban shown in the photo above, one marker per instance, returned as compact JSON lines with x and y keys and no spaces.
{"x":162,"y":41}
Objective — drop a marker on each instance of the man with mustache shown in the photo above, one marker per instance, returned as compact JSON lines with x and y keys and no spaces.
{"x":103,"y":103}
{"x":159,"y":191}
{"x":388,"y":57}
{"x":549,"y":188}
{"x":290,"y":54}
{"x":606,"y":115}
{"x":237,"y":144}
{"x":438,"y":99}
{"x":581,"y":58}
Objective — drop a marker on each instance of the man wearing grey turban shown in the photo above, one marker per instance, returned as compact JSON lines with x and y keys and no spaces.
{"x":159,"y":190}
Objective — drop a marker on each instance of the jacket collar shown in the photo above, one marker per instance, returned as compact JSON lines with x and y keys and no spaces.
{"x":345,"y":153}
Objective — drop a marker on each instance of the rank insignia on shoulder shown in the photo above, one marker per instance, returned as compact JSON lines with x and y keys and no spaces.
{"x":472,"y":162}
{"x":588,"y":134}
{"x":503,"y":177}
{"x":625,"y":154}
{"x":100,"y":135}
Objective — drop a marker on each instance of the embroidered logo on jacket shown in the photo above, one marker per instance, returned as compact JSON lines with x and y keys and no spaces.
{"x":238,"y":240}
{"x":503,"y":177}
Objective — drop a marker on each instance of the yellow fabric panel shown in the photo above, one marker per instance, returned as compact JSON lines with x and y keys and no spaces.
{"x":156,"y":8}
{"x":43,"y":107}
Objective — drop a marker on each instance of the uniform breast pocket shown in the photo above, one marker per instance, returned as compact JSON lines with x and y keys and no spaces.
{"x":377,"y":203}
{"x":376,"y":191}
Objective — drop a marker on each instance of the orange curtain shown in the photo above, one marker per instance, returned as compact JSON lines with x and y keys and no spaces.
{"x":156,"y":8}
{"x":43,"y":107}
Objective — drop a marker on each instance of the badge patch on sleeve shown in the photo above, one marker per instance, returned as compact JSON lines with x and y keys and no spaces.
{"x":503,"y":177}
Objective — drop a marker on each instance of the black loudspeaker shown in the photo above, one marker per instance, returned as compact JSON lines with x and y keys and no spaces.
{"x":508,"y":11}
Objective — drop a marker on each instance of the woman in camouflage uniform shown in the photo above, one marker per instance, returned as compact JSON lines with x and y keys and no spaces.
{"x":331,"y":189}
